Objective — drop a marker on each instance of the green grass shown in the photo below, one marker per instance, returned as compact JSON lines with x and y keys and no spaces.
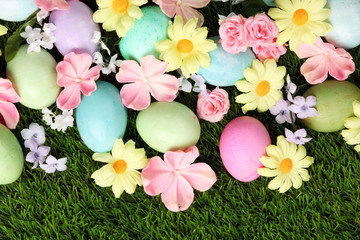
{"x":68,"y":205}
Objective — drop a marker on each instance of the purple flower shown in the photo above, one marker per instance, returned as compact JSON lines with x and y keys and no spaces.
{"x":35,"y":132}
{"x":290,"y":88}
{"x":303,"y":108}
{"x":37,"y":154}
{"x":281,"y":110}
{"x":298,"y":137}
{"x":52,"y":164}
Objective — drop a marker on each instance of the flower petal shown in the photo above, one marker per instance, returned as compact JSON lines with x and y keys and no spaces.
{"x":9,"y":115}
{"x":181,"y":159}
{"x":135,"y":96}
{"x":69,"y":98}
{"x":200,"y":176}
{"x":315,"y":69}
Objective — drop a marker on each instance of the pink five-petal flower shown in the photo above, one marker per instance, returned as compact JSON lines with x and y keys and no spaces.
{"x":324,"y":59}
{"x":146,"y":79}
{"x":183,"y":8}
{"x":9,"y":115}
{"x":49,"y":5}
{"x":175,"y":178}
{"x":76,"y":76}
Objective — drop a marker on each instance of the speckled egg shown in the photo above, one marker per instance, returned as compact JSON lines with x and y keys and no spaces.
{"x":141,"y":39}
{"x":11,"y":156}
{"x":34,"y":77}
{"x":101,"y":117}
{"x":16,"y":10}
{"x":242,"y":143}
{"x":74,"y":29}
{"x":344,"y":18}
{"x":225,"y":68}
{"x":167,"y":126}
{"x":334,"y":105}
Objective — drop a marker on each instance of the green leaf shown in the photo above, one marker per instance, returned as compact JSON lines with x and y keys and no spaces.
{"x":253,"y":7}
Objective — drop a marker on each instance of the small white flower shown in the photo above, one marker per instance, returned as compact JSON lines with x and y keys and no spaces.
{"x":47,"y":116}
{"x":111,"y":67}
{"x":98,"y":59}
{"x":41,"y":15}
{"x":35,"y":133}
{"x":96,"y":37}
{"x":52,"y":164}
{"x":63,"y":121}
{"x":35,"y":46}
{"x":184,"y":84}
{"x":49,"y":27}
{"x":234,"y":2}
{"x":199,"y":85}
{"x":31,"y":34}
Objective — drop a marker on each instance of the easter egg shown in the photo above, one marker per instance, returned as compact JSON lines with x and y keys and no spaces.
{"x":34,"y":77}
{"x":16,"y":10}
{"x":11,"y":156}
{"x":141,"y":39}
{"x":167,"y":126}
{"x":101,"y":118}
{"x":225,"y":68}
{"x":270,"y":3}
{"x":74,"y":29}
{"x":333,"y":104}
{"x":345,"y":18}
{"x":242,"y":143}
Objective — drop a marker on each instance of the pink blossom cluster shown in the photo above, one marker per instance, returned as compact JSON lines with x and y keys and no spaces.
{"x":260,"y":32}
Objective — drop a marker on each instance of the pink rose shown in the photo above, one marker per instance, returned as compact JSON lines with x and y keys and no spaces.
{"x":214,"y":106}
{"x":269,"y":51}
{"x":260,"y":30}
{"x":231,"y":33}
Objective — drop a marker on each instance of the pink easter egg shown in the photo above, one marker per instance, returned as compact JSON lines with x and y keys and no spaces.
{"x":242,"y":143}
{"x":74,"y":29}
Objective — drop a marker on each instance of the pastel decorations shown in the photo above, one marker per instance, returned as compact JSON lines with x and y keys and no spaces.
{"x":345,"y":19}
{"x":34,"y":77}
{"x":140,"y":40}
{"x":11,"y":11}
{"x":74,"y":29}
{"x":11,"y":156}
{"x":225,"y":68}
{"x":334,"y":105}
{"x":101,"y":118}
{"x":168,"y":126}
{"x":242,"y":143}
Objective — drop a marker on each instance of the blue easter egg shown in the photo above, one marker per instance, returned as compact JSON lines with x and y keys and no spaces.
{"x":270,"y":3}
{"x":101,"y":117}
{"x":344,"y":17}
{"x":16,"y":10}
{"x":225,"y":68}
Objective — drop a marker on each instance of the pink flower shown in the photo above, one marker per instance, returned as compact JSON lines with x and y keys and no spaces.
{"x":175,"y":178}
{"x":49,"y":5}
{"x":149,"y":78}
{"x":183,"y":8}
{"x":214,"y":105}
{"x":231,"y":33}
{"x":76,"y":76}
{"x":260,"y":30}
{"x":269,"y":51}
{"x":9,"y":115}
{"x":324,"y":59}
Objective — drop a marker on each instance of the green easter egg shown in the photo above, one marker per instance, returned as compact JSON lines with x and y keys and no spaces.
{"x":334,"y":105}
{"x":34,"y":77}
{"x":11,"y":157}
{"x":141,"y":39}
{"x":168,"y":126}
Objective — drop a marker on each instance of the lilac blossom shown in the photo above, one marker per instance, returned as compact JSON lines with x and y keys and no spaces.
{"x":199,"y":85}
{"x":37,"y":154}
{"x":290,"y":88}
{"x":281,"y":110}
{"x":52,"y":164}
{"x":304,"y":107}
{"x":35,"y":132}
{"x":297,"y":137}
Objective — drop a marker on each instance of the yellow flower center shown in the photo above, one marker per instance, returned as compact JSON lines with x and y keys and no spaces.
{"x":120,"y":6}
{"x":120,"y":166}
{"x":300,"y":17}
{"x":185,"y":46}
{"x":286,"y":165}
{"x":263,"y":88}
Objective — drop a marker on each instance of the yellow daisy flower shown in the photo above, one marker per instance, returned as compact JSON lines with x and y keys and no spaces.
{"x":120,"y":170}
{"x":3,"y":31}
{"x":287,"y":161}
{"x":352,"y":134}
{"x":262,"y":85}
{"x":118,"y":15}
{"x":187,"y":47}
{"x":300,"y":20}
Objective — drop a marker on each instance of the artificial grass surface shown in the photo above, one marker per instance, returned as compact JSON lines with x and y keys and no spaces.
{"x":68,"y":205}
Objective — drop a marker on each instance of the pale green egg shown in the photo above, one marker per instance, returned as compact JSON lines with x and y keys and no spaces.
{"x":11,"y":156}
{"x":34,"y":77}
{"x":168,"y":126}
